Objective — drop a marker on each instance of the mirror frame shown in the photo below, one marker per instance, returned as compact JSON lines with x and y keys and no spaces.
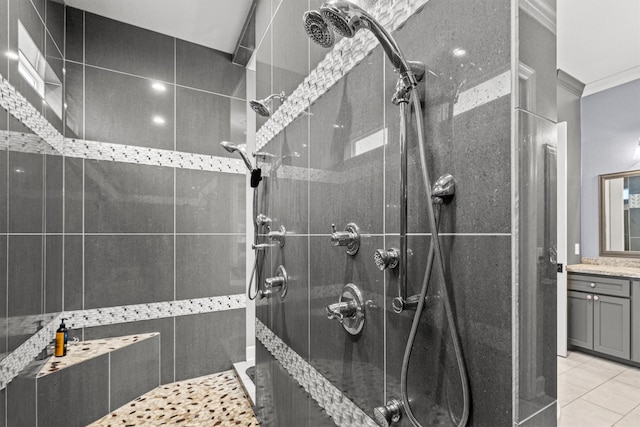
{"x":601,"y":208}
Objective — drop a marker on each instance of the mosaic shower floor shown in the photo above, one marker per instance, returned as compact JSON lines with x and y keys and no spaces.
{"x":212,"y":400}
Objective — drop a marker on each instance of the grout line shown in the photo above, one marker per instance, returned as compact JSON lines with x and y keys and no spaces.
{"x":109,"y":381}
{"x":6,"y":317}
{"x":157,"y":80}
{"x":84,"y":133}
{"x":159,"y":360}
{"x":385,"y":143}
{"x":43,"y":249}
{"x":35,"y":401}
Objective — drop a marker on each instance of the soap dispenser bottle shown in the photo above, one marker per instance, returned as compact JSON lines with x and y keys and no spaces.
{"x":61,"y":340}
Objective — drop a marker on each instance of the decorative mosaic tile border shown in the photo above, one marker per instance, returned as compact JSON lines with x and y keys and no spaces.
{"x":18,"y":106}
{"x":151,"y":156}
{"x":47,"y":140}
{"x":133,"y":313}
{"x":342,"y":410}
{"x":15,"y":362}
{"x":345,"y":55}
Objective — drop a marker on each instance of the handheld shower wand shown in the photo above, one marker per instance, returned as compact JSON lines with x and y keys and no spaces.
{"x":346,"y":19}
{"x":261,"y":106}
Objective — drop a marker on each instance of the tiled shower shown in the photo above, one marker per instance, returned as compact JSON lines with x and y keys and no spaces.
{"x":136,"y":224}
{"x":130,"y":218}
{"x":489,"y":112}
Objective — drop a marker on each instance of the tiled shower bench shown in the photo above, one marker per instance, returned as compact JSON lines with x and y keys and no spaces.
{"x":94,"y":378}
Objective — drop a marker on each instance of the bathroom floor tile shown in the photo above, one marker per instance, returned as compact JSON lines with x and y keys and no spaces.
{"x":616,"y":396}
{"x":632,"y":419}
{"x":212,"y":400}
{"x":631,"y":376}
{"x":581,"y":413}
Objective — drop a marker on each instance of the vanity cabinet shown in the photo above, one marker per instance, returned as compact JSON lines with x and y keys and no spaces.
{"x":599,"y":310}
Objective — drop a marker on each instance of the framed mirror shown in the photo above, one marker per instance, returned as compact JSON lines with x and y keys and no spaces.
{"x":620,"y":214}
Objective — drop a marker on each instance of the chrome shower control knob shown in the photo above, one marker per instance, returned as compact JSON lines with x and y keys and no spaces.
{"x":386,"y":258}
{"x":349,"y":310}
{"x":277,"y":236}
{"x":279,"y":281}
{"x":388,"y":414}
{"x":350,"y":238}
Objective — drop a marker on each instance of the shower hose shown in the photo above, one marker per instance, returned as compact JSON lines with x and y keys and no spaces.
{"x":255,"y":251}
{"x":435,"y":252}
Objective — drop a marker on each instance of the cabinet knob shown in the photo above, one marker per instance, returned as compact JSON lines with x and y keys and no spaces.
{"x":589,"y":297}
{"x":593,"y":285}
{"x":596,"y":298}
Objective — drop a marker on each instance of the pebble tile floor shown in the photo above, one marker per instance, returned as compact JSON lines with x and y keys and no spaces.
{"x":594,"y":392}
{"x":212,"y":400}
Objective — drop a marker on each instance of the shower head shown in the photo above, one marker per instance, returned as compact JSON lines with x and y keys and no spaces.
{"x":317,"y":29}
{"x":346,"y":19}
{"x":261,"y":107}
{"x":232,"y":148}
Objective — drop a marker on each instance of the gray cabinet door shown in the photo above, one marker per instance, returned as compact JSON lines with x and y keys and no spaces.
{"x":611,"y":326}
{"x":580,"y":321}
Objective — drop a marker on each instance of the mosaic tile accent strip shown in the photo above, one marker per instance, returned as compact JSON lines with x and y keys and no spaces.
{"x":15,"y":362}
{"x":212,"y":400}
{"x":634,"y":201}
{"x":136,"y":312}
{"x":342,"y":410}
{"x":25,"y":143}
{"x":345,"y":55}
{"x":79,"y":351}
{"x":151,"y":156}
{"x":483,"y":93}
{"x":47,"y":140}
{"x":18,"y":106}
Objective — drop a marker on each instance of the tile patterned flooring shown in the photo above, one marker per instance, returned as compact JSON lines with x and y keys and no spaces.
{"x":212,"y":400}
{"x":594,"y":392}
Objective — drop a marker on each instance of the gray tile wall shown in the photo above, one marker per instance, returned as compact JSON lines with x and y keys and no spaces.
{"x":476,"y":147}
{"x":149,"y":233}
{"x":79,"y":234}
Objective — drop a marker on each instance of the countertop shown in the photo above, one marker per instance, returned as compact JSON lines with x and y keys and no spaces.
{"x":620,"y":267}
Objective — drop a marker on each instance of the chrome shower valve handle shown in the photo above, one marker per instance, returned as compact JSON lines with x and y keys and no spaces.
{"x":349,"y":310}
{"x":277,"y":282}
{"x":350,"y":238}
{"x":277,"y":236}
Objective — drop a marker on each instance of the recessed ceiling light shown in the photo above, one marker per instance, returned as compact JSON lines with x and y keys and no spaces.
{"x":158,"y":120}
{"x":159,"y":87}
{"x":459,"y":52}
{"x":12,"y":55}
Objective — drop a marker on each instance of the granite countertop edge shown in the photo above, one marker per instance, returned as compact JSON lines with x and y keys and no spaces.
{"x":605,"y":270}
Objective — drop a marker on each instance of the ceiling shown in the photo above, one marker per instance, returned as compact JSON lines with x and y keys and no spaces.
{"x":599,"y":41}
{"x":213,"y":23}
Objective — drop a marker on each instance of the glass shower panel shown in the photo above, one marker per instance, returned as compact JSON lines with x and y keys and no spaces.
{"x":537,"y":264}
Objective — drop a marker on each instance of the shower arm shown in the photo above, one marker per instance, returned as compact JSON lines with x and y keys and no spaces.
{"x":410,"y":72}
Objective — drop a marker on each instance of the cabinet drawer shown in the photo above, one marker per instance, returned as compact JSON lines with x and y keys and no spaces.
{"x":599,"y":285}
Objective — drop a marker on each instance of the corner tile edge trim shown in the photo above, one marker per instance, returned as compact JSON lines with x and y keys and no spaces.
{"x":345,"y":55}
{"x":342,"y":410}
{"x":17,"y":360}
